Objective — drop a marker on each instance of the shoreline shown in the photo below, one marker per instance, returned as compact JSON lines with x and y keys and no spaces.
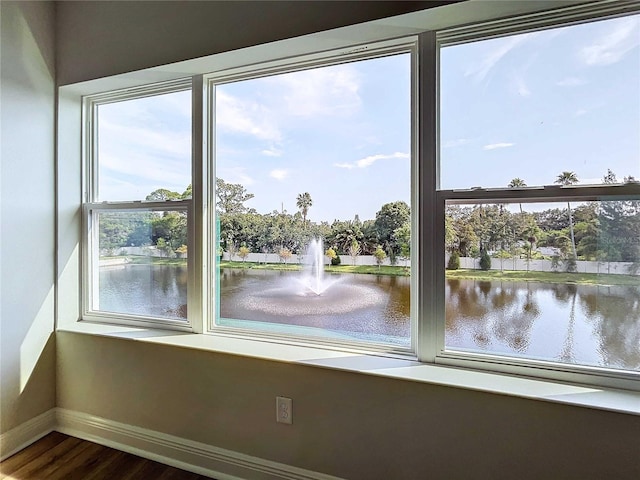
{"x":462,"y":274}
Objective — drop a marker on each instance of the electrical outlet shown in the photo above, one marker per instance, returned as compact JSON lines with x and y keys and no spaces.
{"x":284,"y":412}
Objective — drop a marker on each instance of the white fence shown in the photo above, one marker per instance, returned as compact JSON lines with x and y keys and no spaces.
{"x":298,"y":259}
{"x":614,"y":268}
{"x":150,"y":251}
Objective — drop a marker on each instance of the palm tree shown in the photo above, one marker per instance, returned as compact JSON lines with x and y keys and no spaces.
{"x":303,"y":203}
{"x":517,"y":183}
{"x":569,"y":178}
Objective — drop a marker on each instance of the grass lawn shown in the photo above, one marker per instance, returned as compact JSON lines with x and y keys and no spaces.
{"x":368,"y":269}
{"x":546,"y":277}
{"x":157,"y":260}
{"x":506,"y":275}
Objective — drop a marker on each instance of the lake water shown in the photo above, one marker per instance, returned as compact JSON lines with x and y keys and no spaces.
{"x":577,"y":324}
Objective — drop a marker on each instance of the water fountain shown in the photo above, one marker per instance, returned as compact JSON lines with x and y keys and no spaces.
{"x":313,"y":271}
{"x":311,"y":292}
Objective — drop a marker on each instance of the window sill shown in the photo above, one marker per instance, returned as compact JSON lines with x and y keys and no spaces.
{"x":622,"y":401}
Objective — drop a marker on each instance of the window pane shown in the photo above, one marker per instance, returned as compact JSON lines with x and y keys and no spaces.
{"x":526,"y":108}
{"x":142,"y":264}
{"x":557,"y":282}
{"x":314,"y":168}
{"x":144,"y":146}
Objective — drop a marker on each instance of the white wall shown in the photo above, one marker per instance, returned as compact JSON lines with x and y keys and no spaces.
{"x":101,"y":38}
{"x":351,"y":425}
{"x":27,"y":350}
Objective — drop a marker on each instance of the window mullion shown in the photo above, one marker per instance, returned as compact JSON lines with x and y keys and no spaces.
{"x":430,"y":234}
{"x":197,"y":228}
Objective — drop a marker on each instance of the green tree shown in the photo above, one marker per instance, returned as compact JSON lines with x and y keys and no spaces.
{"x":243,"y":252}
{"x":304,"y":202}
{"x":485,"y":260}
{"x":187,"y":193}
{"x":343,"y":233}
{"x":231,"y":197}
{"x":285,"y":254}
{"x":517,"y":183}
{"x":354,"y":250}
{"x":331,"y":253}
{"x":390,"y":217}
{"x":164,"y":247}
{"x":402,"y":237}
{"x":114,"y":230}
{"x":454,"y":261}
{"x":609,"y":178}
{"x":569,"y":178}
{"x":170,"y":226}
{"x":162,"y":195}
{"x":379,"y":254}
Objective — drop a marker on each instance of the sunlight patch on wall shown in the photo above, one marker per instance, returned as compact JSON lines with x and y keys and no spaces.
{"x":35,"y":340}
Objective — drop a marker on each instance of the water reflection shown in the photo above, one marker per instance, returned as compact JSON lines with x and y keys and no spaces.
{"x":361,"y":307}
{"x":154,"y":290}
{"x":577,"y":324}
{"x":580,"y":324}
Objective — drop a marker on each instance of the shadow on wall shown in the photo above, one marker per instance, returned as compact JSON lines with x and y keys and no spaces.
{"x":27,"y":351}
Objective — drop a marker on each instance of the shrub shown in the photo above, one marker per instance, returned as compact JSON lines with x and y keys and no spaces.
{"x":454,"y":261}
{"x":285,"y":254}
{"x":335,"y":260}
{"x":485,"y":261}
{"x":570,"y":265}
{"x":244,"y":252}
{"x":379,"y":255}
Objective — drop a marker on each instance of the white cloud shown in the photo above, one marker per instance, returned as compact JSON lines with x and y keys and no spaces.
{"x":370,"y":160}
{"x":502,"y":46}
{"x":321,"y":91}
{"x":248,"y":117}
{"x":272,"y":152}
{"x":494,"y":146}
{"x":613,"y":46}
{"x":580,"y":112}
{"x":571,"y":82}
{"x":279,"y":174}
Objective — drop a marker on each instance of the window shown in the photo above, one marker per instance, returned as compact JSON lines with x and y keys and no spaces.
{"x":539,"y":161}
{"x":313,"y":199}
{"x":138,"y":208}
{"x":468,"y":197}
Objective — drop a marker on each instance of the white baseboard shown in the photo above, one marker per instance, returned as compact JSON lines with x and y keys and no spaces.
{"x":25,"y":434}
{"x":178,"y":452}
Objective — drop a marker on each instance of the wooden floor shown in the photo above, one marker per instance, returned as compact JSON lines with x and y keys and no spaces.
{"x":57,"y":457}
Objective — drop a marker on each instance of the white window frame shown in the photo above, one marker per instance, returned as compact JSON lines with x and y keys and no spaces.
{"x":364,"y":52}
{"x":92,"y":207}
{"x":427,"y":208}
{"x":586,"y":374}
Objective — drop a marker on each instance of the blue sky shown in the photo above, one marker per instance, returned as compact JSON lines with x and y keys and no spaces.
{"x":341,"y":133}
{"x":533,"y":105}
{"x":527,"y":106}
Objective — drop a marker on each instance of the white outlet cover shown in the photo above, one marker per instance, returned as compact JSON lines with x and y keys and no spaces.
{"x":284,"y":412}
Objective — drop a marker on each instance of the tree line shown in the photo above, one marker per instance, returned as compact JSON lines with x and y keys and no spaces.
{"x":279,"y":232}
{"x":598,"y":231}
{"x":604,"y":231}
